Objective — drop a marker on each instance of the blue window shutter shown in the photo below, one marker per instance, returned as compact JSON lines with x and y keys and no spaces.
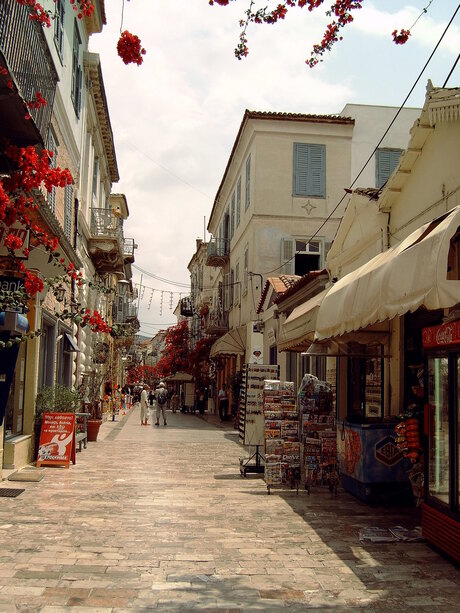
{"x":386,"y":161}
{"x":309,"y":170}
{"x":287,"y":256}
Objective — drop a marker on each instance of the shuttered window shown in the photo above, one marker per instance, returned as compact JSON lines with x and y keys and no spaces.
{"x":238,"y":202}
{"x":309,"y":170}
{"x":248,"y":184}
{"x":232,"y":217}
{"x":386,"y":161}
{"x":68,"y":209}
{"x":287,"y":256}
{"x":59,"y":27}
{"x":52,"y":146}
{"x":245,"y":269}
{"x":76,"y":86}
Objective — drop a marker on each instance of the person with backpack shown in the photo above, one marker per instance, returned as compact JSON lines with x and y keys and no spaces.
{"x":161,"y":398}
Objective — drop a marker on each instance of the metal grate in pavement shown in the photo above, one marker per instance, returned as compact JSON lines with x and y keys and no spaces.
{"x":9,"y":492}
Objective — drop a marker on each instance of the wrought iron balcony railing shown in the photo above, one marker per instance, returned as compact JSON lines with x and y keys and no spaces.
{"x":215,"y":322}
{"x":219,"y":247}
{"x":128,"y":249}
{"x":25,"y":52}
{"x":104,"y":224}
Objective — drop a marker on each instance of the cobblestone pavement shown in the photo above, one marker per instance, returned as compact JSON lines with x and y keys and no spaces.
{"x":159,"y":518}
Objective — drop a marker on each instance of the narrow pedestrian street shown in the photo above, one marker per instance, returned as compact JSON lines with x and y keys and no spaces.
{"x":159,"y":518}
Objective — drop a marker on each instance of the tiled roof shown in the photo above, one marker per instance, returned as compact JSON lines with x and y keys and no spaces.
{"x":280,"y":285}
{"x":301,"y":282}
{"x":268,"y":115}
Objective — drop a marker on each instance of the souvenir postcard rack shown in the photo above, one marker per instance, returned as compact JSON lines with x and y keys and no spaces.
{"x":251,"y":422}
{"x":318,"y":433}
{"x":282,"y":445}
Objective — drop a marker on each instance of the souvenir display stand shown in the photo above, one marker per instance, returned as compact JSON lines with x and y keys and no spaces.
{"x":251,"y":423}
{"x":318,"y":433}
{"x":282,"y":446}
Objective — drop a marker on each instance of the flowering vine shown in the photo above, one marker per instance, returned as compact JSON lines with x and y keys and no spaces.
{"x":340,"y":12}
{"x":130,"y":49}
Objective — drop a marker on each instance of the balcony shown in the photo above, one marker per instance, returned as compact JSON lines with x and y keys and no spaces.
{"x":25,"y":55}
{"x":215,"y":322}
{"x":106,"y":246}
{"x":124,"y":311}
{"x":128,"y":250}
{"x":218,"y":250}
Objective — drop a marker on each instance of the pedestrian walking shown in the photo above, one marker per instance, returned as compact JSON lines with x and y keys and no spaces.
{"x":161,"y":398}
{"x":152,"y":406}
{"x":175,"y":402}
{"x":144,"y":406}
{"x":223,"y":402}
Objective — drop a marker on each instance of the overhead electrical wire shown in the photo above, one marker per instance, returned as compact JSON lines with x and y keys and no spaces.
{"x":378,"y":144}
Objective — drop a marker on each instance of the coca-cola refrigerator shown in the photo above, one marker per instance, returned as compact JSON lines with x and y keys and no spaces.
{"x":441,"y":506}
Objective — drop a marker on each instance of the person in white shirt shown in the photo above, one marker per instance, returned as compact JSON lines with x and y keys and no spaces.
{"x":144,"y":406}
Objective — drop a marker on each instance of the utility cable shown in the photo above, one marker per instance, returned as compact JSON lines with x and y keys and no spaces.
{"x":377,"y":146}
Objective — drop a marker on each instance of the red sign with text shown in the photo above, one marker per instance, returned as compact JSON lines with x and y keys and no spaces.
{"x":57,"y":440}
{"x":441,"y":336}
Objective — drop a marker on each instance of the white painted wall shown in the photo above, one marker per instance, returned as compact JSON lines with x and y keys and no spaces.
{"x":371,"y":122}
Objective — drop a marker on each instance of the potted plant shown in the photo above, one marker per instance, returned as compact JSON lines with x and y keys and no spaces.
{"x":56,"y":399}
{"x":91,"y":393}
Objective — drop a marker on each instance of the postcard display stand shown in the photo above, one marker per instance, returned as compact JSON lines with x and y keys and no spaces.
{"x":251,"y":425}
{"x":318,"y":433}
{"x":282,"y":446}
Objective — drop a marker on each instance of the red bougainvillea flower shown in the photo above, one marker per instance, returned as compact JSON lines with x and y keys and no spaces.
{"x":83,"y":8}
{"x":129,"y":48}
{"x":13,"y":242}
{"x":401,"y":38}
{"x":32,"y":283}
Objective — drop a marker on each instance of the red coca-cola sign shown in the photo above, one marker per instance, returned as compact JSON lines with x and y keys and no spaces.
{"x":441,"y":336}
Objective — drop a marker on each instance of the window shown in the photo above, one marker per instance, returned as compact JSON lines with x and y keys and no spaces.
{"x":238,"y":202}
{"x":52,"y":146}
{"x":273,"y":355}
{"x":298,"y":257}
{"x":248,"y":184}
{"x":232,"y":217}
{"x":95,"y":180}
{"x":47,"y":355}
{"x":386,"y":161}
{"x":245,"y":269}
{"x":75,"y":91}
{"x":68,"y":210}
{"x":309,"y":170}
{"x":14,"y":412}
{"x":59,"y":27}
{"x":236,"y":298}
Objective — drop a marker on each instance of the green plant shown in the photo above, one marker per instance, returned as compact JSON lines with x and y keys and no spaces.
{"x":57,"y":399}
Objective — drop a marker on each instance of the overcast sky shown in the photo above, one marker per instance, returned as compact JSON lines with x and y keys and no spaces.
{"x":175,"y":118}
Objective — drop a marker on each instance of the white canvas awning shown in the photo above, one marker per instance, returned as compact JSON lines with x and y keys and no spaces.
{"x":232,"y":343}
{"x":407,"y":276}
{"x":298,"y":331}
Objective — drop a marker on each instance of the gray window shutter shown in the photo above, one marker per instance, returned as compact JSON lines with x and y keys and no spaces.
{"x":68,"y":209}
{"x":327,"y":246}
{"x":232,"y":218}
{"x":309,"y":170}
{"x":238,"y":202}
{"x":287,"y":256}
{"x":248,"y":184}
{"x":386,"y":161}
{"x":226,"y":291}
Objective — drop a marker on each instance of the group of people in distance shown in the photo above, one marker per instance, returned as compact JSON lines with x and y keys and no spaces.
{"x":150,"y":398}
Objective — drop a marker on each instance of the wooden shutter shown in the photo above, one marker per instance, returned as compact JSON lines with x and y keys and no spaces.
{"x":248,"y":184}
{"x":238,"y":202}
{"x":287,"y":256}
{"x":226,"y":291}
{"x":232,"y":218}
{"x":386,"y":161}
{"x":309,"y":170}
{"x":68,"y":210}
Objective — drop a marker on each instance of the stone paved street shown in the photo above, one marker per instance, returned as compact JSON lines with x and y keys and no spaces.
{"x":159,"y":518}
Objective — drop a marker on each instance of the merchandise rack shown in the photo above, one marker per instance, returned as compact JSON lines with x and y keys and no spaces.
{"x":282,"y":445}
